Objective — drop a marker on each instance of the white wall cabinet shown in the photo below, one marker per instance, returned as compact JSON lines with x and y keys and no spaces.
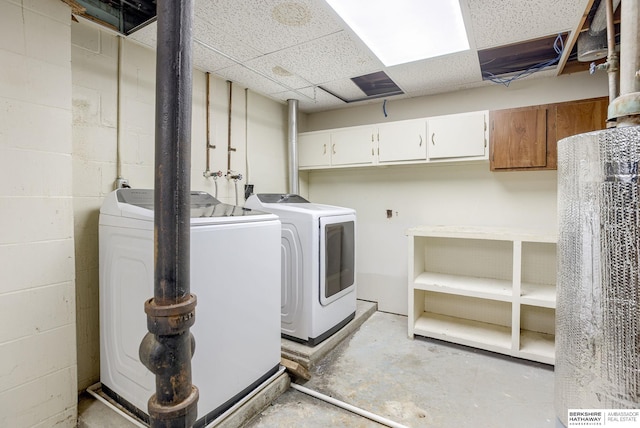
{"x":458,"y":135}
{"x":492,"y":289}
{"x":353,"y":146}
{"x":452,"y":138}
{"x":314,"y":149}
{"x":402,"y":141}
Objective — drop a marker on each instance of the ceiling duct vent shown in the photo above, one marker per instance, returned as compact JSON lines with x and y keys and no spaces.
{"x":528,"y":56}
{"x":377,"y":85}
{"x":374,"y":85}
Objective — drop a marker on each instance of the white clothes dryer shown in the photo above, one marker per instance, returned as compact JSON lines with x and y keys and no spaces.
{"x":318,"y":265}
{"x":235,"y":274}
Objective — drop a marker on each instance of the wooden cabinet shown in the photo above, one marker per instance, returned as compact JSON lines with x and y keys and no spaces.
{"x":519,"y":138}
{"x":492,"y":289}
{"x":457,"y":135}
{"x":402,"y":141}
{"x":526,"y":138}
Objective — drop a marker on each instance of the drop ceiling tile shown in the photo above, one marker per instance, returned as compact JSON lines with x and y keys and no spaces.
{"x":315,"y":99}
{"x":328,"y":58}
{"x":271,"y":77}
{"x":345,"y":88}
{"x":270,"y":25}
{"x":258,"y":82}
{"x":497,"y":23}
{"x":147,"y":35}
{"x":206,"y":36}
{"x":449,"y":70}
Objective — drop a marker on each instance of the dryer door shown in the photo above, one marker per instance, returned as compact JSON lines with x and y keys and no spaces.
{"x":337,"y":257}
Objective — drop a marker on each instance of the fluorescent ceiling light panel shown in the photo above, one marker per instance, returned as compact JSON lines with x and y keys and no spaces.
{"x":401,"y":31}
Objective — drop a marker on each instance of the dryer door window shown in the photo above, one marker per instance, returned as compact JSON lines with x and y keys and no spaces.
{"x":337,"y":260}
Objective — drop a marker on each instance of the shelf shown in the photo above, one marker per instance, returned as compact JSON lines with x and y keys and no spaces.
{"x":486,"y":233}
{"x":487,"y":336}
{"x":537,"y":346}
{"x":486,"y":288}
{"x":543,"y":295}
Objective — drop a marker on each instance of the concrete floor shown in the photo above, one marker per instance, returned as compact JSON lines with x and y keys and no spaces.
{"x":417,"y":383}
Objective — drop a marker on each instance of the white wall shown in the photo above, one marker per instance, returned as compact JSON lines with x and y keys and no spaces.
{"x":455,"y":194}
{"x":37,"y":299}
{"x":258,"y":133}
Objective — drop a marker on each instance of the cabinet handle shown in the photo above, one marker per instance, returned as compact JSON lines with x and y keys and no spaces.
{"x":372,"y":152}
{"x":333,"y":148}
{"x":420,"y":140}
{"x":432,"y":136}
{"x":324,"y":149}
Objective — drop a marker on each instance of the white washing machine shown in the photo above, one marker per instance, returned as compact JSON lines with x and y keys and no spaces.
{"x":318,"y":265}
{"x":235,"y":274}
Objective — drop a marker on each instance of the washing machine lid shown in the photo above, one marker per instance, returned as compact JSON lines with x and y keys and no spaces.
{"x":279,"y":198}
{"x":205,"y":209}
{"x":295,"y":204}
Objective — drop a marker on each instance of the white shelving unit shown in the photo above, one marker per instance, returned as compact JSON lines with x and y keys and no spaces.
{"x":488,"y":288}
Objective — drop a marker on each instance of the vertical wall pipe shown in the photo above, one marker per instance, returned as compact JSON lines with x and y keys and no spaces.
{"x":626,"y":107}
{"x":293,"y":145}
{"x":208,"y":119}
{"x":612,"y":56}
{"x":119,"y":104}
{"x":630,"y":47}
{"x":229,"y":113}
{"x":168,"y":347}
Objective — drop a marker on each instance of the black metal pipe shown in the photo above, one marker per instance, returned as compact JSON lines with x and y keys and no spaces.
{"x":168,"y":347}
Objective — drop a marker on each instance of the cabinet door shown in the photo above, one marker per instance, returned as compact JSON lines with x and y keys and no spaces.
{"x":579,"y":117}
{"x":314,"y":149}
{"x":457,"y":135}
{"x":402,"y":141}
{"x":353,"y":146}
{"x":519,"y":138}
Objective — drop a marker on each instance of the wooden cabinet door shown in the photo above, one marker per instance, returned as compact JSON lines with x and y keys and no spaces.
{"x":518,"y":138}
{"x":314,"y":149}
{"x":402,"y":141}
{"x":353,"y":146}
{"x":580,"y":117}
{"x":457,"y":135}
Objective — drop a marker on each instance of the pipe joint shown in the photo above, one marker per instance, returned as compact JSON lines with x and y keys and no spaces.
{"x":209,"y":173}
{"x":172,"y":319}
{"x":156,"y":353}
{"x":178,"y":415}
{"x":231,"y":176}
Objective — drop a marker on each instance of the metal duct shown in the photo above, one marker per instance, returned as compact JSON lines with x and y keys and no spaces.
{"x":592,"y":44}
{"x":599,"y":21}
{"x":598,"y":295}
{"x":293,"y":146}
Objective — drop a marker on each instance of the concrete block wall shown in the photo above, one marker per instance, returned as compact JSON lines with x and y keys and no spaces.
{"x":37,"y":292}
{"x":258,"y":133}
{"x":94,"y":55}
